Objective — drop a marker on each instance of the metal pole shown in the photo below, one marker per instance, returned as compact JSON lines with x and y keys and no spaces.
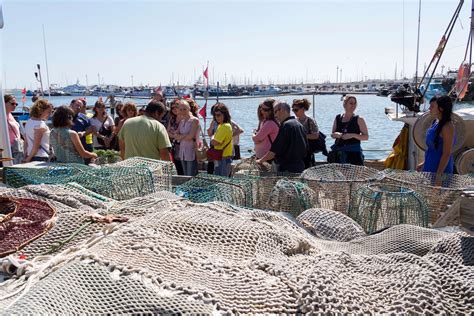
{"x":46,"y":59}
{"x":5,"y":139}
{"x":418,"y":44}
{"x":40,"y":79}
{"x":314,"y":106}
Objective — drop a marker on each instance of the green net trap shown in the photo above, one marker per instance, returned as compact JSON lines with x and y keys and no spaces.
{"x":377,"y":206}
{"x":116,"y":182}
{"x":334,"y":183}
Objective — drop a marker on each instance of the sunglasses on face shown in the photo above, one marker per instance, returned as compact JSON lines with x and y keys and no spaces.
{"x":13,"y":103}
{"x":218,"y":114}
{"x":296,"y":109}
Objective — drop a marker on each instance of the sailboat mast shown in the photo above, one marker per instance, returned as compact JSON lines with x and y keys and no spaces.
{"x":418,"y":43}
{"x":46,"y":59}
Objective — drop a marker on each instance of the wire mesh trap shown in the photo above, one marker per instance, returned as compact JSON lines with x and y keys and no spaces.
{"x":377,"y":206}
{"x":334,"y":183}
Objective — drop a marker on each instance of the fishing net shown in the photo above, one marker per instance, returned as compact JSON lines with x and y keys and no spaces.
{"x":116,"y":182}
{"x":208,"y":188}
{"x":439,"y":198}
{"x":377,"y":206}
{"x":30,"y":220}
{"x":249,"y":166}
{"x":291,"y":196}
{"x":162,"y":171}
{"x":335,"y":183}
{"x":183,"y":257}
{"x":328,"y":224}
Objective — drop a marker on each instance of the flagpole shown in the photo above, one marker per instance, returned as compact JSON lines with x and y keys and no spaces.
{"x":5,"y":139}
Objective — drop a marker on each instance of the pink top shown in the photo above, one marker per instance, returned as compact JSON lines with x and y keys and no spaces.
{"x":262,"y":143}
{"x":13,"y":128}
{"x":186,"y":147}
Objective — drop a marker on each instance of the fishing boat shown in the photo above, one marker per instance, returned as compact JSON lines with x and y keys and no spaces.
{"x":409,"y":109}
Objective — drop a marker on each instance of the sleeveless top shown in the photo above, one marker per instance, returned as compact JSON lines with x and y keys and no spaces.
{"x":63,"y":147}
{"x":186,"y":147}
{"x":346,"y":128}
{"x":433,"y":155}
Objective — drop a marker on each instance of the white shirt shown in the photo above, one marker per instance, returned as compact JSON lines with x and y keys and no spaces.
{"x":98,"y":125}
{"x":30,"y":127}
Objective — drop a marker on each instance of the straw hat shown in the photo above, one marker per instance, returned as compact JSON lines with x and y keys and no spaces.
{"x":424,"y":122}
{"x":465,"y":162}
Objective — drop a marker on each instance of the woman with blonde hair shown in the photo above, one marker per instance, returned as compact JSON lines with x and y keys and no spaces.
{"x":37,"y":131}
{"x":173,"y":129}
{"x":348,"y":130}
{"x":187,"y":130}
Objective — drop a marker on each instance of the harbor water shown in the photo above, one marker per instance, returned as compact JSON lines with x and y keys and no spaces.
{"x":382,"y":131}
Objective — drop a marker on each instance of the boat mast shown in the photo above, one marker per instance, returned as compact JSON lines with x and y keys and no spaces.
{"x":46,"y":59}
{"x":4,"y":140}
{"x":418,"y":42}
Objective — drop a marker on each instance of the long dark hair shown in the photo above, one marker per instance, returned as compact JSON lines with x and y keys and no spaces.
{"x":221,"y":107}
{"x":445,"y":104}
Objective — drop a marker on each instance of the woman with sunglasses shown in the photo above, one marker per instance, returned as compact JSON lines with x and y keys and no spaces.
{"x":267,"y":130}
{"x":16,"y":143}
{"x":104,"y":126}
{"x":299,"y":107}
{"x":348,"y":130}
{"x":222,"y":140}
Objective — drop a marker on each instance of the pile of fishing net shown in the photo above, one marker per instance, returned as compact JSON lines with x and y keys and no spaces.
{"x":175,"y":256}
{"x":121,"y":181}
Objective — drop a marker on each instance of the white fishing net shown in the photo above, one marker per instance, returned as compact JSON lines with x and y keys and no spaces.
{"x":174,"y":256}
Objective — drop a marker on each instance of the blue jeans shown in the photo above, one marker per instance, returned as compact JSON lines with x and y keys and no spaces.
{"x":222,"y":167}
{"x":189,"y":167}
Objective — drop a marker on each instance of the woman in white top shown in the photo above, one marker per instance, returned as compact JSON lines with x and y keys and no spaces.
{"x":37,"y":132}
{"x":104,"y":126}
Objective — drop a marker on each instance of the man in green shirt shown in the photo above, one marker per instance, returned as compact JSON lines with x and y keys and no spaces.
{"x":145,"y":136}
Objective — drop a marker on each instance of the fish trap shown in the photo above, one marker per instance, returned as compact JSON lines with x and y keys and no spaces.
{"x":377,"y":206}
{"x":249,"y":166}
{"x":438,"y":198}
{"x":162,"y":171}
{"x":116,"y":182}
{"x":335,"y":183}
{"x":210,"y":188}
{"x":290,"y":196}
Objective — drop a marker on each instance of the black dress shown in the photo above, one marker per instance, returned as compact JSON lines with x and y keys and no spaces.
{"x":354,"y":158}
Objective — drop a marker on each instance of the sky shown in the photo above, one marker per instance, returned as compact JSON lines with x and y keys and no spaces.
{"x":160,"y":42}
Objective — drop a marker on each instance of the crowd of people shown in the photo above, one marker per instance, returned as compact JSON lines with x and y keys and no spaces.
{"x":174,"y":133}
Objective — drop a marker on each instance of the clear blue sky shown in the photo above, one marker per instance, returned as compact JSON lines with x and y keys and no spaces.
{"x":282,"y":41}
